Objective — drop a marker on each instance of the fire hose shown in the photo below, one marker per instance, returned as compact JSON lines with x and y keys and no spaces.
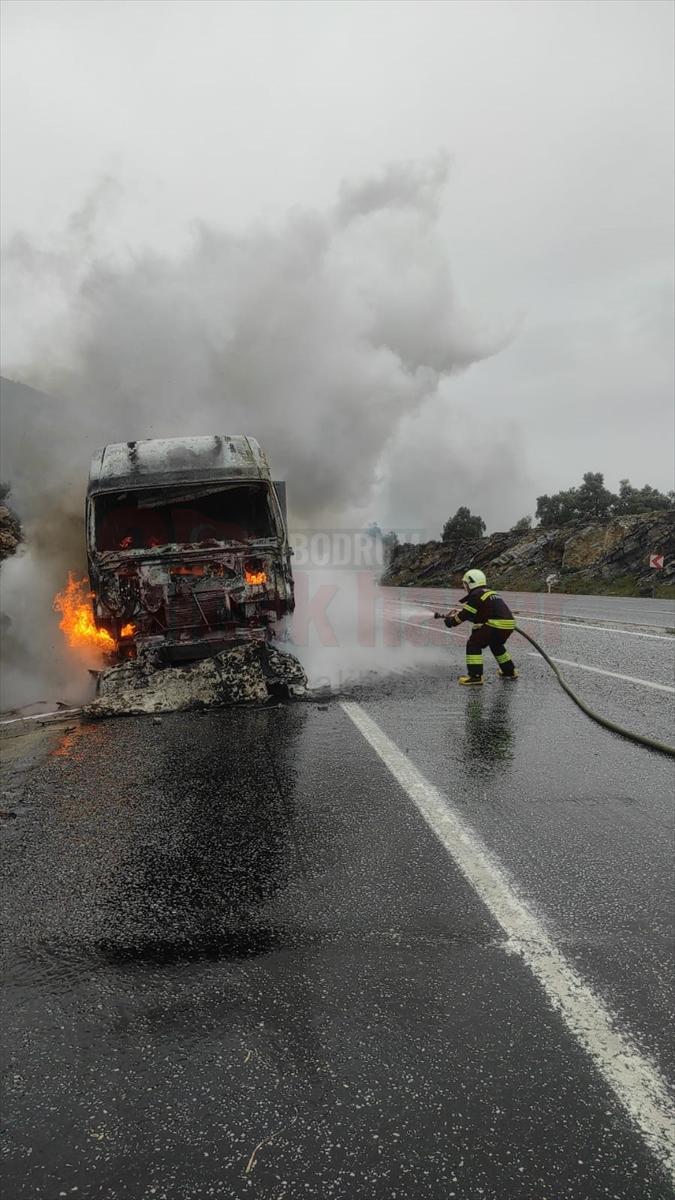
{"x":640,"y":738}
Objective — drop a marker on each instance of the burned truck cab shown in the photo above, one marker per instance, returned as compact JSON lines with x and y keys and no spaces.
{"x":187,"y":546}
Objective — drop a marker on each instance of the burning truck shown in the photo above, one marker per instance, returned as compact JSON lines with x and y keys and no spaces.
{"x":190,"y":571}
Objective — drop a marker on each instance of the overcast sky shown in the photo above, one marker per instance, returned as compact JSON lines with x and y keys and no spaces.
{"x":557,"y":215}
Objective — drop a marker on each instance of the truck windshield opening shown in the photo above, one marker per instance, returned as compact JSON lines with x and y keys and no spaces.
{"x":145,"y":519}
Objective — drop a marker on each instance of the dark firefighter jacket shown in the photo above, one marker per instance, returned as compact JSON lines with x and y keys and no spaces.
{"x":482,"y":607}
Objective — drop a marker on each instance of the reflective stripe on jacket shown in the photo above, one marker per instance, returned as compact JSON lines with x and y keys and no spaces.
{"x":482,"y":606}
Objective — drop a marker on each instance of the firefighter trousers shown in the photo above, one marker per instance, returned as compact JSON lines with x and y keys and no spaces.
{"x":481,"y":638}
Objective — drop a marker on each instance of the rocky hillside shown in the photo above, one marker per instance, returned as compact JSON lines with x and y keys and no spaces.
{"x":611,"y":557}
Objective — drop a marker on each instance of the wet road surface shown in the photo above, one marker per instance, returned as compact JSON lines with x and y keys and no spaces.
{"x":623,"y":610}
{"x":240,"y":963}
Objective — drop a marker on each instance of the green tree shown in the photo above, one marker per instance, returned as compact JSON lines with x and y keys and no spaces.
{"x":558,"y":509}
{"x":592,"y":501}
{"x":593,"y":498}
{"x":645,"y":499}
{"x":463,"y":526}
{"x":522,"y":526}
{"x":390,"y":544}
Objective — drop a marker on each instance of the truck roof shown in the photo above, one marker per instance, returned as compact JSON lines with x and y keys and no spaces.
{"x":167,"y":462}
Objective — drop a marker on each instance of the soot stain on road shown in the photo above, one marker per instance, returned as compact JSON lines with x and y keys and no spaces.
{"x":222,"y":848}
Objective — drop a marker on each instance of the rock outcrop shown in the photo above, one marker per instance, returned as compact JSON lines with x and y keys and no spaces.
{"x":10,"y":532}
{"x":609,"y":556}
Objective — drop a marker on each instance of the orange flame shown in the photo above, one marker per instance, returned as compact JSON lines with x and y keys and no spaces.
{"x":255,"y":577}
{"x":77,"y":618}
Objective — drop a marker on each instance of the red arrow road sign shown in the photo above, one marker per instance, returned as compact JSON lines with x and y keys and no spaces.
{"x":656,"y":562}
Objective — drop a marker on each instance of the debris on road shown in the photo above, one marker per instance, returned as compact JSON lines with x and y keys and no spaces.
{"x":253,"y":673}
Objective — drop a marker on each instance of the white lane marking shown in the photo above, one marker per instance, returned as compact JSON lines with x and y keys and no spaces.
{"x":565,"y":662}
{"x":578,"y":623}
{"x":59,"y":712}
{"x":635,"y":1081}
{"x":659,"y":687}
{"x":585,"y":625}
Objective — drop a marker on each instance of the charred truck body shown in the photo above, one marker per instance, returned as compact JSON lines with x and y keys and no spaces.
{"x":187,"y":546}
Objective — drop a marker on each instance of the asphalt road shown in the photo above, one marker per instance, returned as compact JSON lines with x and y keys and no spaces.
{"x":408,"y":942}
{"x":620,"y":609}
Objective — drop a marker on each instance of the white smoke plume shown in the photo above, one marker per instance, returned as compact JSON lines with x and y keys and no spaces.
{"x":318,"y":336}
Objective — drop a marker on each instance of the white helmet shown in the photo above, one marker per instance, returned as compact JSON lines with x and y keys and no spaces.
{"x":473,"y":579}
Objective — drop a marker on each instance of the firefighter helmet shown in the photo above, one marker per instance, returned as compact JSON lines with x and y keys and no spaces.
{"x":473,"y":579}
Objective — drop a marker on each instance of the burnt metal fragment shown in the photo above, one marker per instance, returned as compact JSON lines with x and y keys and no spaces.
{"x":254,"y":673}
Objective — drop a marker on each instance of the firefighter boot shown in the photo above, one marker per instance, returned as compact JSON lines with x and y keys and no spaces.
{"x":470,"y":680}
{"x":508,"y":674}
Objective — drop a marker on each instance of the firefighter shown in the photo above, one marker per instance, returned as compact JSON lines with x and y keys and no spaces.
{"x":492,"y":622}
